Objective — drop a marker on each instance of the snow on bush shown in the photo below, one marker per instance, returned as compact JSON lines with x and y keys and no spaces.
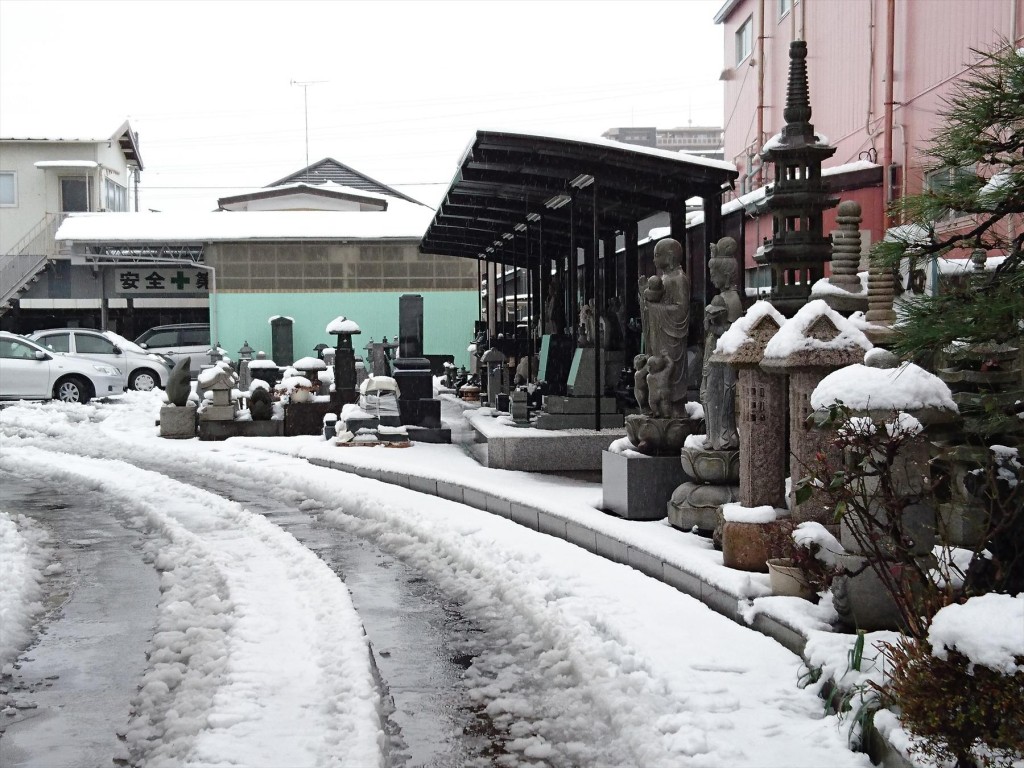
{"x":987,"y":629}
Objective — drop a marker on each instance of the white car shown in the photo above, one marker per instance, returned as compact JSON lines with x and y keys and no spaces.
{"x":142,"y":370}
{"x":30,"y":372}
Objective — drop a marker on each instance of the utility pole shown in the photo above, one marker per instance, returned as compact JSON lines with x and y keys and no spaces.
{"x":305,"y":108}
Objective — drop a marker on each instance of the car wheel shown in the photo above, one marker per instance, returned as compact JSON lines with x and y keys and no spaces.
{"x":144,"y":380}
{"x":72,"y":389}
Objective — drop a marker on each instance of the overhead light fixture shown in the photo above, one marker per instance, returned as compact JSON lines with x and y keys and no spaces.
{"x":489,"y":249}
{"x":558,"y":201}
{"x":533,"y":217}
{"x":519,"y":227}
{"x":508,"y":235}
{"x":498,"y":243}
{"x":581,"y":181}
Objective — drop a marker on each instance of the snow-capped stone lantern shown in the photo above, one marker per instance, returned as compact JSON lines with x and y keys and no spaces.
{"x":245,"y":354}
{"x":344,"y":358}
{"x":816,"y":341}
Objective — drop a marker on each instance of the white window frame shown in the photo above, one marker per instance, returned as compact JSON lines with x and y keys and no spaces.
{"x":785,"y":6}
{"x":14,"y":186}
{"x":745,"y":40}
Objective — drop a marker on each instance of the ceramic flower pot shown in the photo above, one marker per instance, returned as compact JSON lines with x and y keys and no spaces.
{"x":787,"y":579}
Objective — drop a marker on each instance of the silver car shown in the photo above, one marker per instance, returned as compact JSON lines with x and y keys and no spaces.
{"x":190,"y":340}
{"x":31,"y":372}
{"x":142,"y":370}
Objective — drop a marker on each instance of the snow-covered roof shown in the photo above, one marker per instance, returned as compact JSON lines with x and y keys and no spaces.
{"x":401,"y":220}
{"x":817,"y":335}
{"x":667,"y":154}
{"x":741,"y":335}
{"x":24,"y":126}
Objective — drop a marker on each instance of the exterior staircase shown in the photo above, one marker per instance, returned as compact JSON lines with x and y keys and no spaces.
{"x":22,"y":265}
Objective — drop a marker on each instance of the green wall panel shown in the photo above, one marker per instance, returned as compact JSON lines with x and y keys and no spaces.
{"x":448,"y":318}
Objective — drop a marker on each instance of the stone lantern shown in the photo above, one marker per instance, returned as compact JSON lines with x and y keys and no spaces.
{"x":214,"y":354}
{"x":244,"y":358}
{"x":760,"y":407}
{"x":812,"y":344}
{"x":344,"y":359}
{"x":497,"y":375}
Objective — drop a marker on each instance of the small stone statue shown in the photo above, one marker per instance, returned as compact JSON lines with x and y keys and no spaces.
{"x":554,"y":308}
{"x":586,"y":325}
{"x":655,"y":290}
{"x":260,"y":404}
{"x":718,"y":384}
{"x":640,"y":383}
{"x":659,"y":386}
{"x":179,"y":385}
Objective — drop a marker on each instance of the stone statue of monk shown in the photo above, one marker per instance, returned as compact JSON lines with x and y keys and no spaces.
{"x":718,"y":383}
{"x":665,"y":313}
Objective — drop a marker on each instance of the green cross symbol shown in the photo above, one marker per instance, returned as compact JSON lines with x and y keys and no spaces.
{"x":180,"y":280}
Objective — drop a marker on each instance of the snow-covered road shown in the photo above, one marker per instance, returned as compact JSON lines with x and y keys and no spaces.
{"x":260,"y":659}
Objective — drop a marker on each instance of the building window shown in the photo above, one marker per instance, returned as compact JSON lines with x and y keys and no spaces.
{"x":940,"y":180}
{"x":115,"y":196}
{"x":8,"y":189}
{"x":745,"y":39}
{"x":785,"y":6}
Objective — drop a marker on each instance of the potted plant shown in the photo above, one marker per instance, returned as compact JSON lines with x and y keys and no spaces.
{"x":801,"y":558}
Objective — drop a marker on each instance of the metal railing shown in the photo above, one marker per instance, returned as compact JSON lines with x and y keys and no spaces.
{"x":29,"y":256}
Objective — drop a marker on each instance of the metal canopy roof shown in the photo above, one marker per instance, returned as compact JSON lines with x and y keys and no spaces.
{"x":504,"y":178}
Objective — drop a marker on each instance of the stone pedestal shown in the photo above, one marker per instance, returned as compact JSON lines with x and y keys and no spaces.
{"x":178,"y":422}
{"x":414,"y":379}
{"x":660,"y":437}
{"x":561,"y":412}
{"x":639,"y":487}
{"x":220,"y":408}
{"x":713,"y":482}
{"x":745,"y":546}
{"x":520,"y":408}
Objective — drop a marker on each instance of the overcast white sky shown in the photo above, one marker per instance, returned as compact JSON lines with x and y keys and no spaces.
{"x":208,"y":85}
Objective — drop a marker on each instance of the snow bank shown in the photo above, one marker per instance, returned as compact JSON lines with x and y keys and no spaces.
{"x":23,"y":561}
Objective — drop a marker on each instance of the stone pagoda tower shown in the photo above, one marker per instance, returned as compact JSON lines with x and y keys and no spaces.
{"x":798,"y":248}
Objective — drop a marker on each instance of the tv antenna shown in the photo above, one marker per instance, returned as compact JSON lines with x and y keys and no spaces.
{"x":305,"y":109}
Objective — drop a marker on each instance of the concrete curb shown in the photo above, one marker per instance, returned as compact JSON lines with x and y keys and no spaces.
{"x":599,"y":543}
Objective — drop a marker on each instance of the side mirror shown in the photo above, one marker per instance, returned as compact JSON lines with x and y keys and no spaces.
{"x":117,"y":350}
{"x":144,"y":345}
{"x":40,"y":355}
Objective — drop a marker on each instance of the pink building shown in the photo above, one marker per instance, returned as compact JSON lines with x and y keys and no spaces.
{"x":878,"y":71}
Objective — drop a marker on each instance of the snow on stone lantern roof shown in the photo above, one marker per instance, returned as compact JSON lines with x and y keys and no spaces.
{"x":745,"y":340}
{"x":310,"y":364}
{"x":342,"y":324}
{"x":816,"y":337}
{"x":907,"y":387}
